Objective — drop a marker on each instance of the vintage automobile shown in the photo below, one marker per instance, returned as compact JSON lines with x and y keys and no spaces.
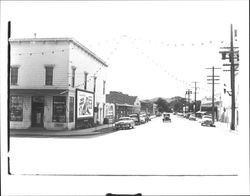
{"x":166,"y":117}
{"x":192,"y":117}
{"x":125,"y":123}
{"x":143,"y":119}
{"x":187,"y":115}
{"x":207,"y":121}
{"x":148,"y":117}
{"x":136,"y":118}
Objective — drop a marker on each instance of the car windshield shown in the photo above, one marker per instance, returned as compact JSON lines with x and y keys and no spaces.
{"x":124,"y":118}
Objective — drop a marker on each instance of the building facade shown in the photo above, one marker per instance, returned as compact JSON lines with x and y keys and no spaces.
{"x":206,"y":106}
{"x":55,"y":83}
{"x":124,"y":104}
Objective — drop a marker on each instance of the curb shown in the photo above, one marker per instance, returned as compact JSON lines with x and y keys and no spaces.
{"x":65,"y":133}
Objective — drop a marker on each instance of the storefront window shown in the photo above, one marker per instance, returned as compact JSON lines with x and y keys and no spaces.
{"x":71,"y":109}
{"x":59,"y":109}
{"x":16,"y":108}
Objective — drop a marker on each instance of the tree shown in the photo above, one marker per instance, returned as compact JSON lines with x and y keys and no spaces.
{"x":163,"y":105}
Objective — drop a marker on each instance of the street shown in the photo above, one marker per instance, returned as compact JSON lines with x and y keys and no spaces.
{"x":181,"y":147}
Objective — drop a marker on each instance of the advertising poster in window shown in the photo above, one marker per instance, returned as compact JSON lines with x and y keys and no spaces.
{"x":85,"y":104}
{"x":110,"y":110}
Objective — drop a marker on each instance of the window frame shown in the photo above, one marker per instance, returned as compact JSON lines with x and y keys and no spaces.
{"x":95,"y":78}
{"x":71,"y":108}
{"x":73,"y":77}
{"x":85,"y":80}
{"x":47,"y":67}
{"x":54,"y":118}
{"x":12,"y":81}
{"x":104,"y":87}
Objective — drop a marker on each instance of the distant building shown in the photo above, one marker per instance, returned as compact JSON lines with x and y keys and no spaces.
{"x":148,"y":107}
{"x":54,"y":84}
{"x":124,"y":104}
{"x":206,"y":105}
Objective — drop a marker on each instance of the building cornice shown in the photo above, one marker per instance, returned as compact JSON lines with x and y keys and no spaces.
{"x":72,"y":40}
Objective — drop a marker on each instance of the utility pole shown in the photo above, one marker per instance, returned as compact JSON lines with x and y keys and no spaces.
{"x":188,"y":92}
{"x":8,"y":102}
{"x":195,"y":92}
{"x":8,"y":65}
{"x":231,"y":54}
{"x":232,"y":79}
{"x":209,"y":79}
{"x":185,"y":103}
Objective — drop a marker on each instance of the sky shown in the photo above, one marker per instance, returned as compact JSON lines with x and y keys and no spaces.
{"x":152,"y":48}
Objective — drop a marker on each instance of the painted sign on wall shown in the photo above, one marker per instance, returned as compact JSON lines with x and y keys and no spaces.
{"x":110,"y":109}
{"x":85,"y":104}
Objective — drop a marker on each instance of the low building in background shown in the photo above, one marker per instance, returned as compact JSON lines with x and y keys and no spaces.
{"x":206,"y":106}
{"x":55,"y":83}
{"x":148,"y":108}
{"x":124,"y":104}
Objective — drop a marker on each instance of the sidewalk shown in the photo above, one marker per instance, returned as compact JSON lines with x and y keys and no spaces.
{"x":225,"y":126}
{"x":41,"y":132}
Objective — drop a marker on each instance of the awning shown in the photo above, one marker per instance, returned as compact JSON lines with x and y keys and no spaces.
{"x":38,"y":92}
{"x":124,"y":104}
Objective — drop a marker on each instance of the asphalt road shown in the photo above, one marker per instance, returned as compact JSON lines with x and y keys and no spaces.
{"x":181,"y":147}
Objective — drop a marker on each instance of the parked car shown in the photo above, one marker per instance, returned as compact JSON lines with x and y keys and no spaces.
{"x":187,"y":115}
{"x":142,"y":119}
{"x":125,"y":123}
{"x":136,"y":118}
{"x":148,"y":117}
{"x":158,"y":114}
{"x":192,"y":117}
{"x":145,"y":116}
{"x":199,"y":114}
{"x":207,"y":121}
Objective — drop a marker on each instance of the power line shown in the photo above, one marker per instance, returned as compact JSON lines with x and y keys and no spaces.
{"x":141,"y":52}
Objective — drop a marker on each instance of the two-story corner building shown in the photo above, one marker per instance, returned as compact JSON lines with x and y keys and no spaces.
{"x":124,"y":104}
{"x":55,"y":83}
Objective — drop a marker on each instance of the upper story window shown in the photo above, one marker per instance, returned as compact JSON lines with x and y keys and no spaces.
{"x":49,"y":75}
{"x":73,"y":76}
{"x":95,"y":83}
{"x":13,"y":75}
{"x":85,"y":80}
{"x":104,"y":84}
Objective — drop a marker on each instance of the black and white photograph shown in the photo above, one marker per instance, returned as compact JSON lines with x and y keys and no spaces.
{"x":125,"y":97}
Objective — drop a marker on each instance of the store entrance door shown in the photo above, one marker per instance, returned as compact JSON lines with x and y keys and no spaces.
{"x":37,"y":111}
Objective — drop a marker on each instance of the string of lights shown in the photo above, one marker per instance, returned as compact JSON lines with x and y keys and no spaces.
{"x":164,"y":43}
{"x":141,"y":52}
{"x":179,"y":44}
{"x":92,"y":76}
{"x":40,"y":52}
